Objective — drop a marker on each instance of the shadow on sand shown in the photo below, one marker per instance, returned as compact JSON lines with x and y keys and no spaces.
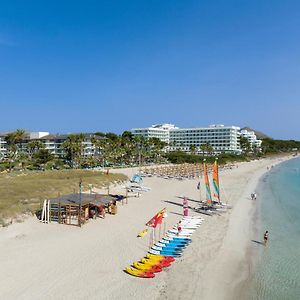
{"x":258,"y":242}
{"x":175,"y":213}
{"x":175,"y":203}
{"x":189,"y":199}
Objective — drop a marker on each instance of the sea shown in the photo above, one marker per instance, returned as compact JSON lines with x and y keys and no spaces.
{"x":276,"y":274}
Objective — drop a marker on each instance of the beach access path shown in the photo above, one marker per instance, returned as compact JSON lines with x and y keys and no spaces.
{"x":47,"y":261}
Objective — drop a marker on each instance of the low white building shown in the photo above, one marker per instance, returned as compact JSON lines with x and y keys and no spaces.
{"x":252,"y":139}
{"x":54,"y":143}
{"x":3,"y":145}
{"x":37,"y":135}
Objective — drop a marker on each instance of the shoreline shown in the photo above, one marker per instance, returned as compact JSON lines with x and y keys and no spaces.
{"x":252,"y":252}
{"x":223,"y":259}
{"x":104,"y":247}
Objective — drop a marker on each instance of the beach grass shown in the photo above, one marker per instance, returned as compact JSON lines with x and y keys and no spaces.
{"x":22,"y":193}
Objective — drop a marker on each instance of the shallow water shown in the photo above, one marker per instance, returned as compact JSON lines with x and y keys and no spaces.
{"x":277,"y":273}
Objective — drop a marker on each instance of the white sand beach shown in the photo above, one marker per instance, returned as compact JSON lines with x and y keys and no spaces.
{"x":51,"y":261}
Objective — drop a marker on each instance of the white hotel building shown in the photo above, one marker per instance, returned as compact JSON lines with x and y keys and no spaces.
{"x":252,"y":139}
{"x":160,"y":131}
{"x":3,"y":145}
{"x":221,"y":138}
{"x":53,"y":143}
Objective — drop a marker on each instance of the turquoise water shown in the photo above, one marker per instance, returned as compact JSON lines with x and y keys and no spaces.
{"x":277,"y":273}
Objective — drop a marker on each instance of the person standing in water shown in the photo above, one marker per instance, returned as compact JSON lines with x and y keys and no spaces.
{"x":266,"y":237}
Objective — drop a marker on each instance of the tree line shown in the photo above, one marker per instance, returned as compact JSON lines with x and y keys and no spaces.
{"x":110,"y":149}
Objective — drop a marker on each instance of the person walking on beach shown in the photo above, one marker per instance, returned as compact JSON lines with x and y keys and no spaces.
{"x":266,"y":237}
{"x":179,"y":228}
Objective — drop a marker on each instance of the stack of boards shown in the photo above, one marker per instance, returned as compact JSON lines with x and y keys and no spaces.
{"x":164,"y":252}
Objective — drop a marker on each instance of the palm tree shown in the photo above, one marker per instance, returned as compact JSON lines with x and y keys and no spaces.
{"x":141,"y":148}
{"x":210,"y":149}
{"x":42,"y":156}
{"x":74,"y":148}
{"x":203,"y":148}
{"x":13,"y":140}
{"x":207,"y":148}
{"x":156,"y":147}
{"x":193,"y":149}
{"x":128,"y":145}
{"x":245,"y":145}
{"x":34,"y":146}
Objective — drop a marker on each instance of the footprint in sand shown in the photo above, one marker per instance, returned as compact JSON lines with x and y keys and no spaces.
{"x":20,"y":236}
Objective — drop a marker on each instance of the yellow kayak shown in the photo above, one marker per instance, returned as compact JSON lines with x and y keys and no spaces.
{"x":143,"y":233}
{"x":159,"y":257}
{"x":139,"y":273}
{"x":147,"y":268}
{"x":154,"y":257}
{"x":151,"y":262}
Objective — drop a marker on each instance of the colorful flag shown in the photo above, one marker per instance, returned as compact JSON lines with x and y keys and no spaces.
{"x":206,"y":181}
{"x":157,"y":219}
{"x":215,"y":175}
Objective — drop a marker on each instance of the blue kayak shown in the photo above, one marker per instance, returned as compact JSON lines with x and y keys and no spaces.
{"x":180,"y":241}
{"x":174,"y":242}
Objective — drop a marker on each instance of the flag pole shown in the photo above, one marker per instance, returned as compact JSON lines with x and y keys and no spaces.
{"x":159,"y":236}
{"x":153,"y":236}
{"x":219,"y":196}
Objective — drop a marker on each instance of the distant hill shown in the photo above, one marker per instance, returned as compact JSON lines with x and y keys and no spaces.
{"x":260,"y":135}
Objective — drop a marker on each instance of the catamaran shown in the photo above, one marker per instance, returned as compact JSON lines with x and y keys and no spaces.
{"x":210,"y":205}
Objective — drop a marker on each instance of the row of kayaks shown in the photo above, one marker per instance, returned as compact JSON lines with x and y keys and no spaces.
{"x":164,"y":252}
{"x":149,"y":265}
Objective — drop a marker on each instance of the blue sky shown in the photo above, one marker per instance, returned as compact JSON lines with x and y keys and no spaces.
{"x":76,"y":66}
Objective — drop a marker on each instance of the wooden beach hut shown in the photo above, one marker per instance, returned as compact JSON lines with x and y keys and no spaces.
{"x":74,"y":209}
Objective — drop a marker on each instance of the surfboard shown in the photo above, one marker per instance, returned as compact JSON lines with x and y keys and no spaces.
{"x":143,"y":233}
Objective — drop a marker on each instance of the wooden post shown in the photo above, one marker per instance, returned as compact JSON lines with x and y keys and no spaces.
{"x":80,"y":191}
{"x":153,"y":238}
{"x":79,"y":217}
{"x":59,"y":212}
{"x":70,"y":214}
